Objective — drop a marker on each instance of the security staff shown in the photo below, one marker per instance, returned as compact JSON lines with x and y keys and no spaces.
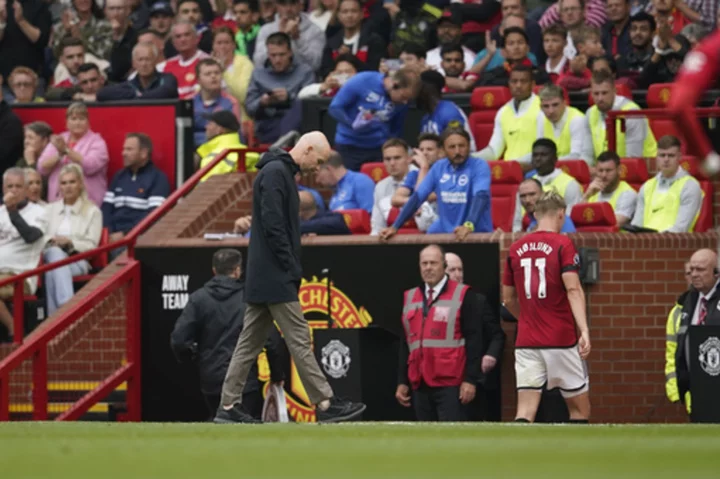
{"x":222,"y":133}
{"x":440,"y":358}
{"x":565,"y":125}
{"x":671,"y":330}
{"x":699,"y":308}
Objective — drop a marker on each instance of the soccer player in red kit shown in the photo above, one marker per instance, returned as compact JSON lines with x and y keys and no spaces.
{"x":700,"y":72}
{"x":541,"y":287}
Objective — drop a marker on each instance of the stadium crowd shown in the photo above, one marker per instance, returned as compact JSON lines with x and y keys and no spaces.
{"x":247,"y":66}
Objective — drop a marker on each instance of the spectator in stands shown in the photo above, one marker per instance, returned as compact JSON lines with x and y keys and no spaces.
{"x":237,"y":69}
{"x":449,"y":33}
{"x":124,"y":38}
{"x":314,"y":222}
{"x":565,"y":125}
{"x":78,"y":145}
{"x":529,"y":191}
{"x":677,"y":13}
{"x":135,"y":191}
{"x":462,"y":186}
{"x":367,"y":46}
{"x":370,"y":109}
{"x":516,"y":121}
{"x":272,"y":98}
{"x":588,"y":44}
{"x":321,"y":206}
{"x":694,"y":33}
{"x":671,"y":200}
{"x":23,"y":83}
{"x":632,"y":64}
{"x":324,"y":14}
{"x":84,"y":20}
{"x":534,"y":32}
{"x":544,"y":162}
{"x":609,"y":188}
{"x":189,"y":11}
{"x":268,"y":10}
{"x":90,"y":82}
{"x":397,"y":163}
{"x":68,"y":86}
{"x":247,"y":19}
{"x":308,"y":41}
{"x":37,"y":138}
{"x":148,"y":84}
{"x":71,"y":54}
{"x":22,"y":228}
{"x":616,"y":32}
{"x":346,"y":67}
{"x":210,"y":98}
{"x":353,"y":190}
{"x":34,"y":183}
{"x":607,"y":64}
{"x":518,"y":49}
{"x":413,"y":24}
{"x":161,"y":18}
{"x":554,"y":43}
{"x":516,"y":54}
{"x":670,"y":51}
{"x":412,"y":57}
{"x":74,"y":226}
{"x":573,"y":13}
{"x":11,"y":135}
{"x":24,"y":32}
{"x":637,"y":139}
{"x":457,"y":79}
{"x":183,"y":65}
{"x":439,"y":114}
{"x":221,"y":131}
{"x":139,"y":14}
{"x":157,"y":39}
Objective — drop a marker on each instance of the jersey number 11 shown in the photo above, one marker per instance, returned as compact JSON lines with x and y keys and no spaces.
{"x":527,"y":266}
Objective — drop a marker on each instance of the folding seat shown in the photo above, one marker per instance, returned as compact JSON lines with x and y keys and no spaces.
{"x":358,"y":221}
{"x":375,"y":170}
{"x":409,"y":228}
{"x":633,"y":171}
{"x":594,"y":218}
{"x":484,"y":104}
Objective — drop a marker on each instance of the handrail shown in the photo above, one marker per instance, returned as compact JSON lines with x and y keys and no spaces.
{"x":128,"y":241}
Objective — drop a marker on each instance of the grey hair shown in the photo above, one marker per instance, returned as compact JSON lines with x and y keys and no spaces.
{"x":183,"y":21}
{"x":15,"y":171}
{"x":29,"y":172}
{"x":149,"y":45}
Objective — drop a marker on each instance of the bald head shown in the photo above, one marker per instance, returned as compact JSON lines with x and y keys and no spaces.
{"x":454,"y":268}
{"x":703,"y":264}
{"x":311,"y":151}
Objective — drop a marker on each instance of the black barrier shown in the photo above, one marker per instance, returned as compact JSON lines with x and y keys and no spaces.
{"x":704,"y":353}
{"x":367,"y":282}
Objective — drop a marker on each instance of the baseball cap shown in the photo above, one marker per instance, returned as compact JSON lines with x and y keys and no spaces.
{"x":161,"y":8}
{"x":223,"y":118}
{"x":452,"y":16}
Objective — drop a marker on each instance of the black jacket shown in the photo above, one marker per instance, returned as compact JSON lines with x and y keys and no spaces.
{"x":11,"y":137}
{"x":163,"y":87}
{"x":493,"y":343}
{"x":325,"y":223}
{"x":121,"y":56}
{"x":500,"y":76}
{"x":689,"y":302}
{"x":273,"y":269}
{"x":371,"y":49}
{"x":208,"y":330}
{"x":667,"y":66}
{"x":16,"y":49}
{"x":473,"y":313}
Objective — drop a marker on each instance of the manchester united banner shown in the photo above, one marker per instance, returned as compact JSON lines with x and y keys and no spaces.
{"x":356,"y":289}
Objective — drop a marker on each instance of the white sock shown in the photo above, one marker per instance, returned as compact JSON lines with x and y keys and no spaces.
{"x":324,"y":404}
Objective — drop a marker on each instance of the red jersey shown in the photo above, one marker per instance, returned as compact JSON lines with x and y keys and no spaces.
{"x":184,"y":72}
{"x":66,"y":83}
{"x":535,"y":265}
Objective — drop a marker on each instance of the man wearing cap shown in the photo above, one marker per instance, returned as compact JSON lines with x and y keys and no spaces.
{"x":449,"y":32}
{"x":161,"y":18}
{"x":221,"y":130}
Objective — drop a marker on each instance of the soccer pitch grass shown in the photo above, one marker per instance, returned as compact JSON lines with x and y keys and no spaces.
{"x":361,"y":450}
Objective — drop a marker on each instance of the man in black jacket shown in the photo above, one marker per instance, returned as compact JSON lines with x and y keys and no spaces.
{"x":273,"y":280}
{"x":208,"y":329}
{"x":11,"y":136}
{"x":147,"y":84}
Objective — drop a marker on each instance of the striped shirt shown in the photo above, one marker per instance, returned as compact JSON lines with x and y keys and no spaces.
{"x":595,"y":15}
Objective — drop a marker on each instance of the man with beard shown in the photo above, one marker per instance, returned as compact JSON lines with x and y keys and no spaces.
{"x":670,"y":51}
{"x":609,"y":188}
{"x":457,"y":79}
{"x":529,"y":192}
{"x":449,"y":32}
{"x":642,"y":26}
{"x":616,"y":32}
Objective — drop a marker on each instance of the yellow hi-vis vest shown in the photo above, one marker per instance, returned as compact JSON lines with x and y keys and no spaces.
{"x":599,"y":138}
{"x":519,"y":132}
{"x":661,"y":208}
{"x":671,"y":331}
{"x":209,"y":150}
{"x":559,"y":184}
{"x":562,"y":141}
{"x":621,"y":188}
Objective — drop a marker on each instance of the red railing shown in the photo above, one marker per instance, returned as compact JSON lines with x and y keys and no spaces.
{"x":36,"y":348}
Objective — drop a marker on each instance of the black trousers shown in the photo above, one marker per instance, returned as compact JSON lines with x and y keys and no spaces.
{"x":354,"y":157}
{"x":439,"y":404}
{"x":251,"y":401}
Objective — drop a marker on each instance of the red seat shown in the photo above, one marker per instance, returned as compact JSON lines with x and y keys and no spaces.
{"x":594,"y":218}
{"x":358,"y":221}
{"x":506,"y":176}
{"x":658,"y":96}
{"x":621,"y":89}
{"x":705,"y":220}
{"x":566,"y":95}
{"x":503,"y":211}
{"x":375,"y":170}
{"x":98,"y":262}
{"x":692,"y":166}
{"x":578,"y":169}
{"x":633,"y":171}
{"x":484,"y":103}
{"x":410,"y":227}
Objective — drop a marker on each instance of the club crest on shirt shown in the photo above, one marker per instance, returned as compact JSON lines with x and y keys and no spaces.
{"x":463,"y":180}
{"x":441,"y":314}
{"x":372,"y":97}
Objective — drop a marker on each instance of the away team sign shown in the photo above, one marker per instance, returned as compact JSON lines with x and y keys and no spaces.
{"x":313,"y":298}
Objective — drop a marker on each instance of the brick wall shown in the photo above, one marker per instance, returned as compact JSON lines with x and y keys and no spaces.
{"x":640,"y":277}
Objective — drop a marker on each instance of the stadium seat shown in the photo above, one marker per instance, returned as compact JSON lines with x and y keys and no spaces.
{"x":578,"y":169}
{"x":658,"y":95}
{"x":503,"y":209}
{"x":692,"y":166}
{"x":594,"y":218}
{"x":506,"y":176}
{"x":634,"y":171}
{"x":375,"y":170}
{"x":537,"y":89}
{"x":621,"y":89}
{"x":484,"y":103}
{"x":358,"y":221}
{"x":409,"y":228}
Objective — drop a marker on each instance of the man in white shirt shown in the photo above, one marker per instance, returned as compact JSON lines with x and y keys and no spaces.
{"x":397,"y":163}
{"x":449,"y":32}
{"x":565,"y":125}
{"x":23,"y":225}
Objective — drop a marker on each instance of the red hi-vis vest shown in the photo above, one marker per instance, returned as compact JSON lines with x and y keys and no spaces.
{"x":437,"y":348}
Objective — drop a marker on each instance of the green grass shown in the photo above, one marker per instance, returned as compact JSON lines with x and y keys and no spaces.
{"x":97,"y":450}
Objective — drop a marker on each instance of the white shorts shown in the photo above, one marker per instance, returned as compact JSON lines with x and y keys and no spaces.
{"x":555,"y":368}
